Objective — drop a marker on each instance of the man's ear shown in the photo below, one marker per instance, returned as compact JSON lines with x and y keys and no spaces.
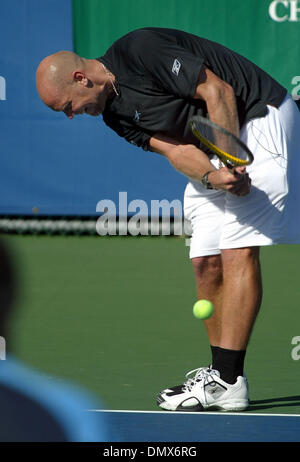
{"x":80,"y":78}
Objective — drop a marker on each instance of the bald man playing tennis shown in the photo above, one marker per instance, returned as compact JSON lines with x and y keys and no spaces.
{"x":147,"y":87}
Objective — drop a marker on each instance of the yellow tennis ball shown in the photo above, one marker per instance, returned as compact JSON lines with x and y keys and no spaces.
{"x":203,"y":309}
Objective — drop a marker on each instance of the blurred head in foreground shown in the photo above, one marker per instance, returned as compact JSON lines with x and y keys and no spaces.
{"x":8,"y":286}
{"x":34,"y":407}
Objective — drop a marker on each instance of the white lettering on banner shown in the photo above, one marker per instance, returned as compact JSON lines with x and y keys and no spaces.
{"x":285,"y":10}
{"x":295,"y":10}
{"x":296,"y":350}
{"x":296,"y":89}
{"x":2,"y":88}
{"x":139,"y":222}
{"x":273,"y":10}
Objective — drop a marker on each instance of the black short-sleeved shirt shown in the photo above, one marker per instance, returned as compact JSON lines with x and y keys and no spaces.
{"x":157,"y":71}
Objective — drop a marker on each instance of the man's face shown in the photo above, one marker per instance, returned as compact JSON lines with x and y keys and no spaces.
{"x":80,"y":99}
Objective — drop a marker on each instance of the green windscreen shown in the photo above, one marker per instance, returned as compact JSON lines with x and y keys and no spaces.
{"x":265,"y":31}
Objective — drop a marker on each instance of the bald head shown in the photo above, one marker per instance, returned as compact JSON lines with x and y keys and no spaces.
{"x":55,"y":73}
{"x":74,"y":85}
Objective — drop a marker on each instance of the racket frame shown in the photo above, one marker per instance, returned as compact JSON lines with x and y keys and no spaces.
{"x":228,"y":159}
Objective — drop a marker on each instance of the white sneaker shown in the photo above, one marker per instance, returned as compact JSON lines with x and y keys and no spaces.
{"x":205,"y":391}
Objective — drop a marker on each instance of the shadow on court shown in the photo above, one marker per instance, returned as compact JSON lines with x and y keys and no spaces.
{"x":285,"y":401}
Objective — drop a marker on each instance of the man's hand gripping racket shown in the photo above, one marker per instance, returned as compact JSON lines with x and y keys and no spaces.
{"x":233,"y":155}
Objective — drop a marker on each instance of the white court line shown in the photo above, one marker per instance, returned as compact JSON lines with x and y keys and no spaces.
{"x":224,"y":414}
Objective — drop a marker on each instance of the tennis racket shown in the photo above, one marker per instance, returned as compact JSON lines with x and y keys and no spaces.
{"x":216,"y":140}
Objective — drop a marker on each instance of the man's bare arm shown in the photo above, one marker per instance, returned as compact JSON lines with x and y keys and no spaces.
{"x":220,"y":100}
{"x":185,"y":158}
{"x":194,"y":163}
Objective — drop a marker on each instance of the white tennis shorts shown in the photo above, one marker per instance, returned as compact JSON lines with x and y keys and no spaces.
{"x":270,"y":213}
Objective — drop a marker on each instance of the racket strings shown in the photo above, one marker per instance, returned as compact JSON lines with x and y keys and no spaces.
{"x":215,"y":140}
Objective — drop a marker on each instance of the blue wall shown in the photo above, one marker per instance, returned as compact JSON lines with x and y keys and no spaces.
{"x":47,"y":161}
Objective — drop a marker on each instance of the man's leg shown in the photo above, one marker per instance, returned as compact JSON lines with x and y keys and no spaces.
{"x":242,"y":296}
{"x":232,"y":281}
{"x":209,"y":283}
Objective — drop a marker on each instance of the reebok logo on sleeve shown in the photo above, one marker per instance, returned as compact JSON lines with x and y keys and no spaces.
{"x":176,"y":67}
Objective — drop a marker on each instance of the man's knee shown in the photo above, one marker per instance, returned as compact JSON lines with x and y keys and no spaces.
{"x":208,"y":269}
{"x":237,"y":257}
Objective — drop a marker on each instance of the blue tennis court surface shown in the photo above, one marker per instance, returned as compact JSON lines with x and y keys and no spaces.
{"x":136,"y":426}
